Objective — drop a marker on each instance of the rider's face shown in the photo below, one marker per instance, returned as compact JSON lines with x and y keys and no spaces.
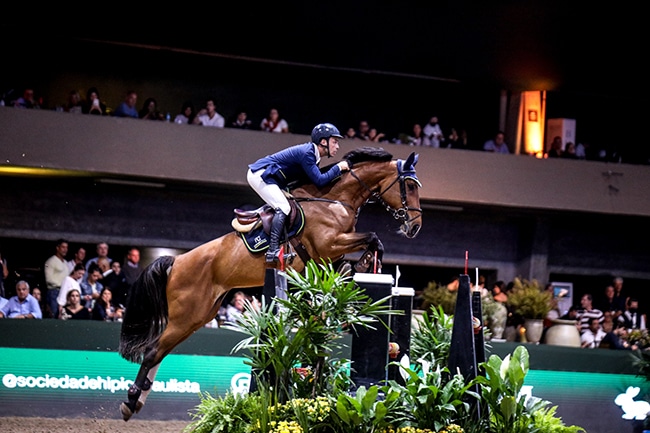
{"x":334,"y":145}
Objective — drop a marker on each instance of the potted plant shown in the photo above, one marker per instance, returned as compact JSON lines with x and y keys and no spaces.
{"x":529,"y":300}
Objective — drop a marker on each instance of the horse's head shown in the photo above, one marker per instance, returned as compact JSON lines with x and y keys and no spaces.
{"x":395,"y":186}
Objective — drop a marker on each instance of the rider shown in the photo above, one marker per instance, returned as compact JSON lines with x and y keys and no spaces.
{"x":272,"y":173}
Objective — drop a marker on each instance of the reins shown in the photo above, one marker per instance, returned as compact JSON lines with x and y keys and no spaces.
{"x":398,"y":214}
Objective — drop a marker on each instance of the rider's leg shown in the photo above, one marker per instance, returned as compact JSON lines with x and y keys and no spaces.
{"x":272,"y":254}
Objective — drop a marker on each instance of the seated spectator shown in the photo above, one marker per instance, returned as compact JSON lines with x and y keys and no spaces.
{"x":499,"y":292}
{"x":362,"y":130}
{"x":497,"y":144}
{"x":208,"y":116}
{"x":616,"y":339}
{"x":38,"y":295}
{"x":73,"y":310}
{"x":149,"y":110}
{"x":591,"y":338}
{"x":588,"y":312}
{"x":74,"y":104}
{"x":241,"y":121}
{"x":3,"y":302}
{"x":351,"y":134}
{"x":236,"y":308}
{"x":91,"y":287}
{"x":631,"y":317}
{"x":93,"y":103}
{"x":104,"y":308}
{"x":376,"y":137}
{"x":187,"y":114}
{"x":104,"y":264}
{"x":23,"y":305}
{"x":71,"y":282}
{"x":27,"y":100}
{"x":274,"y":123}
{"x":570,"y":151}
{"x":127,"y":107}
{"x":555,"y":149}
{"x":572,"y":314}
{"x":458,"y":140}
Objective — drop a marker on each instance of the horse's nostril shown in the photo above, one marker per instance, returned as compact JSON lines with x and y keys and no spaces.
{"x":414,"y":230}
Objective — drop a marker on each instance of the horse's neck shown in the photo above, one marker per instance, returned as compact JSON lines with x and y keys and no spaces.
{"x":349,"y":189}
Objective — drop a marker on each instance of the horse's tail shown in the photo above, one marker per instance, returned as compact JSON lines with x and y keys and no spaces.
{"x":146,"y":311}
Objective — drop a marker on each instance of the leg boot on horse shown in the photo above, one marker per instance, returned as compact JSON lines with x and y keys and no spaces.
{"x":277,"y":226}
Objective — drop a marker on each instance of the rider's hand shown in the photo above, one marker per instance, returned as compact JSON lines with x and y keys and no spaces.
{"x":343,"y":165}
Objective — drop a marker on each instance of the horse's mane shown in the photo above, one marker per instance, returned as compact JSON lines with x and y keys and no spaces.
{"x":367,"y":153}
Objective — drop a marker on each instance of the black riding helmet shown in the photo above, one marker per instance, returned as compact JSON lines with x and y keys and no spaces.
{"x":324,"y":130}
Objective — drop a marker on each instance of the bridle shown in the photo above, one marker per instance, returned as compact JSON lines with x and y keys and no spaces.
{"x":401,"y":213}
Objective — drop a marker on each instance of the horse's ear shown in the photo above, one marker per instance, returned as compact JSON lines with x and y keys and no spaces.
{"x":410,"y":162}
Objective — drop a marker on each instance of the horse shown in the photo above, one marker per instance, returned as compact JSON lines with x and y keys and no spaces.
{"x":176,"y":295}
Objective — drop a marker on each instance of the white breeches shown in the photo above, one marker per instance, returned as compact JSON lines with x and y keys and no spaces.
{"x":270,"y":192}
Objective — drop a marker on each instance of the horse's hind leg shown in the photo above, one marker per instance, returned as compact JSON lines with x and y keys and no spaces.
{"x":138,"y":392}
{"x":141,"y":387}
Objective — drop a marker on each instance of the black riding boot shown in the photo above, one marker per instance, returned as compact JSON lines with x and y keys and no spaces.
{"x":277,"y":225}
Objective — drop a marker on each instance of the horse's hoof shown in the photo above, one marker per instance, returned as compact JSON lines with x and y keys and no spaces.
{"x":126,"y":411}
{"x":138,"y":406}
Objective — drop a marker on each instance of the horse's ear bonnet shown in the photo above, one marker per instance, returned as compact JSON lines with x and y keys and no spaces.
{"x":406,"y":168}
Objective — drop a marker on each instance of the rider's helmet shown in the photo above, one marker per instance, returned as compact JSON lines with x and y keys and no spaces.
{"x":324,"y":130}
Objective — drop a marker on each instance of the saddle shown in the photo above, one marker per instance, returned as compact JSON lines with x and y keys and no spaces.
{"x":254,"y":226}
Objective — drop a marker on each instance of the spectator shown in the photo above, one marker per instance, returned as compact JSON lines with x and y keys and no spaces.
{"x":78,"y":258}
{"x":459,"y":140}
{"x":362,"y":131}
{"x":56,"y":269}
{"x":208,"y":116}
{"x":22,"y":305}
{"x":3,"y":302}
{"x":4,"y":273}
{"x":45,"y":310}
{"x":376,"y":137}
{"x":499,"y":292}
{"x":74,"y":104}
{"x":116,"y":281}
{"x":588,"y":312}
{"x":132,"y":267}
{"x":571,"y":314}
{"x":619,"y":292}
{"x":73,"y":309}
{"x":149,"y":110}
{"x":274,"y":123}
{"x":104,"y":308}
{"x":91,"y":287}
{"x":71,"y":282}
{"x":187,"y":114}
{"x":555,"y":148}
{"x":127,"y":106}
{"x":241,"y":121}
{"x":415,"y":138}
{"x":611,"y":303}
{"x":27,"y":100}
{"x":351,"y":134}
{"x":570,"y":151}
{"x":631,"y":317}
{"x":93,"y":103}
{"x":236,"y":309}
{"x":497,"y":144}
{"x":102,"y":251}
{"x":593,"y":335}
{"x":433,"y":135}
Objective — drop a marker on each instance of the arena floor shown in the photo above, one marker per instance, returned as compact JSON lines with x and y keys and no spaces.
{"x":87,"y":425}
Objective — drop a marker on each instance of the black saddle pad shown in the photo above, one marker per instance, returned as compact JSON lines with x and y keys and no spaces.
{"x":258,"y":240}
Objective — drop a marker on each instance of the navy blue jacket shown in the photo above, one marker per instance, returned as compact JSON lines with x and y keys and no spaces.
{"x":292,"y":164}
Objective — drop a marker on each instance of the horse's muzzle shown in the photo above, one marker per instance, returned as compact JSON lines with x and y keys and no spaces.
{"x":410,"y":230}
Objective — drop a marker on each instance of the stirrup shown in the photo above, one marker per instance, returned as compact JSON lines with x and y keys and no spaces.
{"x":273,"y":257}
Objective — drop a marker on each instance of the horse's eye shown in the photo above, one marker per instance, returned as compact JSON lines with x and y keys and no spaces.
{"x":411,"y":186}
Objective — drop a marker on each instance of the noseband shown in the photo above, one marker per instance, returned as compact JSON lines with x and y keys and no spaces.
{"x":399,"y":214}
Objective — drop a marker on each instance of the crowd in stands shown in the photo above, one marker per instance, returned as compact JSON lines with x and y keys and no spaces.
{"x":430,"y":134}
{"x":603,"y":321}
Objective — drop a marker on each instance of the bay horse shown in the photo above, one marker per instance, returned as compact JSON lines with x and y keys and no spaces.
{"x":175,"y":296}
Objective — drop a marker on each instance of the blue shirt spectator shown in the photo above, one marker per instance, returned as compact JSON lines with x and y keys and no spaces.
{"x":127,"y":107}
{"x":23,"y":305}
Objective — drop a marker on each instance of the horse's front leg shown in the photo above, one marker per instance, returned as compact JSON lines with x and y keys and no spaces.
{"x":352,"y":242}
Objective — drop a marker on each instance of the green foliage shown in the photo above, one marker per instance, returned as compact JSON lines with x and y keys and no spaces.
{"x":437,"y":295}
{"x":303,"y":387}
{"x":434,"y":399}
{"x":431,"y":337}
{"x":529,"y":299}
